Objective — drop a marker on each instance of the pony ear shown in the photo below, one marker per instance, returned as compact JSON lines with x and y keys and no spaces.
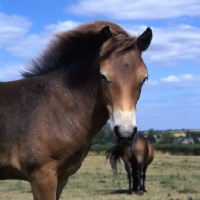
{"x":144,"y":40}
{"x":105,"y":34}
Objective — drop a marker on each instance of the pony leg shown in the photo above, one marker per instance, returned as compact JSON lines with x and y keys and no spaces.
{"x":128,"y":170}
{"x":135,"y":180}
{"x":60,"y":187}
{"x":44,"y":184}
{"x":144,"y":178}
{"x":139,"y":174}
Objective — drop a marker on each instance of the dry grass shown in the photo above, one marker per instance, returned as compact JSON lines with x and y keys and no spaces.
{"x":181,"y":134}
{"x":168,"y":177}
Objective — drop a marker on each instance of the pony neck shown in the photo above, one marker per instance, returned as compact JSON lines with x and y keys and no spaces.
{"x":84,"y":102}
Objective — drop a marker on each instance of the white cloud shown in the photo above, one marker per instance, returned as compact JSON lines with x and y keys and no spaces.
{"x":13,"y":27}
{"x":17,"y":40}
{"x":15,"y":37}
{"x":181,"y":78}
{"x":175,"y":99}
{"x":61,"y":26}
{"x":137,"y":9}
{"x":32,"y":44}
{"x":179,"y":84}
{"x":170,"y":79}
{"x":10,"y":71}
{"x":152,"y":83}
{"x":29,"y":46}
{"x":171,"y":45}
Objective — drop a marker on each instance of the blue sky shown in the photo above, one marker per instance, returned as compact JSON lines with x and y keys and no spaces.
{"x":171,"y":97}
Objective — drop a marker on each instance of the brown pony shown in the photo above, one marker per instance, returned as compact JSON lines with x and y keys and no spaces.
{"x":49,"y":118}
{"x":136,"y":159}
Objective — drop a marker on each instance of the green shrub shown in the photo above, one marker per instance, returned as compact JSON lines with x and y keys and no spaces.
{"x":101,"y":147}
{"x":173,"y":148}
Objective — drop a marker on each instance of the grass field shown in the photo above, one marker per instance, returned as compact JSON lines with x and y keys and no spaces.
{"x":168,"y":177}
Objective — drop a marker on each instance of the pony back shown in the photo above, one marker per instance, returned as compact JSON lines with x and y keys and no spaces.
{"x":142,"y":149}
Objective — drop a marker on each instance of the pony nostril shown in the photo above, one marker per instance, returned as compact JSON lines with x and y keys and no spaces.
{"x":124,"y":138}
{"x":116,"y":129}
{"x":134,"y":133}
{"x":134,"y":130}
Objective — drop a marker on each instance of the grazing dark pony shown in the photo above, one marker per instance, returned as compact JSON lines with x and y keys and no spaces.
{"x":49,"y":118}
{"x":136,"y":159}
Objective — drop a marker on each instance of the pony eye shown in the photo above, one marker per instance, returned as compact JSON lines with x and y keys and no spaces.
{"x":103,"y":77}
{"x":145,"y":79}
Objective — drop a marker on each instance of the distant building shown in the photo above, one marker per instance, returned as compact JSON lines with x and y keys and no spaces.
{"x":183,"y":140}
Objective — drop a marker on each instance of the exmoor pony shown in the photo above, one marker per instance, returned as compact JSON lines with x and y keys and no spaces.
{"x":48,"y":119}
{"x":136,"y":159}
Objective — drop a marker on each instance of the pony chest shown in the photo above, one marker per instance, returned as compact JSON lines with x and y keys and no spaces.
{"x":74,"y":161}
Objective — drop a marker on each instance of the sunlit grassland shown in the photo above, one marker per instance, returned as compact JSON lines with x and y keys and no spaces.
{"x":168,"y":177}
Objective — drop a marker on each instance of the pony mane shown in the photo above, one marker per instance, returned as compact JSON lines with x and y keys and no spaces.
{"x":78,"y":50}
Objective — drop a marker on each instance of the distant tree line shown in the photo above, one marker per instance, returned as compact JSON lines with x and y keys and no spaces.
{"x":103,"y":140}
{"x":167,"y":137}
{"x":163,"y":141}
{"x":178,"y":149}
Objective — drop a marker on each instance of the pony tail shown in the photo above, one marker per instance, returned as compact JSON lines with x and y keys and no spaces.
{"x":114,"y":154}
